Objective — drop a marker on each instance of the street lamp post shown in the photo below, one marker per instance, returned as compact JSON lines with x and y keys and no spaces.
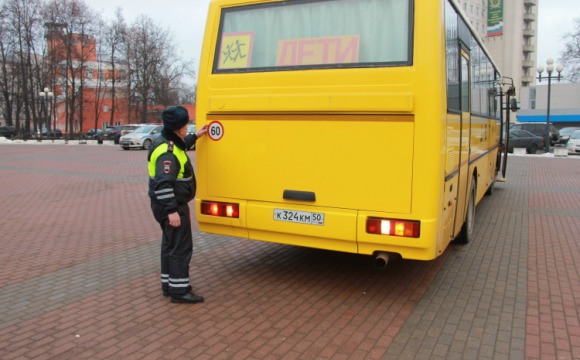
{"x":47,"y":96}
{"x":549,"y":71}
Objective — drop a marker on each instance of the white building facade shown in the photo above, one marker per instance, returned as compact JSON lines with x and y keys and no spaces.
{"x":564,"y":104}
{"x":508,"y":29}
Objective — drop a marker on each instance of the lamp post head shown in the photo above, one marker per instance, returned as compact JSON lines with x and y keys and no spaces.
{"x":549,"y":69}
{"x":46,"y":94}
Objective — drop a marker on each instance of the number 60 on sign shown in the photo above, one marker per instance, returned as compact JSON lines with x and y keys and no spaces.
{"x":215,"y":130}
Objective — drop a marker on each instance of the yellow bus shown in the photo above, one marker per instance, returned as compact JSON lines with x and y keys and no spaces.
{"x":361,"y":126}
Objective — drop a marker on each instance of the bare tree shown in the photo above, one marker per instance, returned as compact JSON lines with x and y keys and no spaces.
{"x":7,"y":80}
{"x":171,"y":85}
{"x":156,"y":71}
{"x":60,"y":44}
{"x":148,"y":45}
{"x":114,"y":37}
{"x":100,"y":84}
{"x":188,"y":94}
{"x":21,"y":28}
{"x":571,"y":53}
{"x":77,"y":48}
{"x":54,"y":50}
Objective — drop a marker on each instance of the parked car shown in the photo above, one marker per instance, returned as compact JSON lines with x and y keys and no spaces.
{"x":539,"y":129}
{"x":52,"y":134}
{"x":573,"y":144}
{"x":7,"y":131}
{"x":141,"y":138}
{"x":525,"y":139}
{"x":190,"y":131}
{"x":115,"y":132}
{"x":92,"y":134}
{"x":565,"y":133}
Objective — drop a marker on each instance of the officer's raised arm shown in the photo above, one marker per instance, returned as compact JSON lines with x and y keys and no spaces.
{"x":192,"y":138}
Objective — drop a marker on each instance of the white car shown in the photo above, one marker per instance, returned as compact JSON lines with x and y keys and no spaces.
{"x":573,"y":145}
{"x":141,"y":138}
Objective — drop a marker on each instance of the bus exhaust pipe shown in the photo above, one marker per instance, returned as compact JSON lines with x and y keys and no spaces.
{"x":381,"y":260}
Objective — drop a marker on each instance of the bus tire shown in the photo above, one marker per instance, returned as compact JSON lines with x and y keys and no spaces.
{"x":466,"y":232}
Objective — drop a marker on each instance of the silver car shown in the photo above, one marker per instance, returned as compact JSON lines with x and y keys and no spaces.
{"x":141,"y":138}
{"x":573,"y":144}
{"x":565,"y":134}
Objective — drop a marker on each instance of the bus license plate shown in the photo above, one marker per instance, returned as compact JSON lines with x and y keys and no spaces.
{"x":300,"y":217}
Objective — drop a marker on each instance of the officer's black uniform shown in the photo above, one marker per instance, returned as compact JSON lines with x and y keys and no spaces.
{"x":171,"y":186}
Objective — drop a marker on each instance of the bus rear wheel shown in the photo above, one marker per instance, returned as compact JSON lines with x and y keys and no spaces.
{"x":466,"y":233}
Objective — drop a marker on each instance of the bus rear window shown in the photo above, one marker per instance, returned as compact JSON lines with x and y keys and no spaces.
{"x":314,"y":34}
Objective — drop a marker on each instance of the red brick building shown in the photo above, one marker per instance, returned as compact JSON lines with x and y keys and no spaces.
{"x":92,"y":87}
{"x":93,"y":81}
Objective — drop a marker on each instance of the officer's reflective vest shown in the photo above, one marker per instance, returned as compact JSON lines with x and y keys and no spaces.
{"x":162,"y":149}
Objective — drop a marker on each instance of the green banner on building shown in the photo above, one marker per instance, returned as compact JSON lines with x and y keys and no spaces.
{"x":494,"y":18}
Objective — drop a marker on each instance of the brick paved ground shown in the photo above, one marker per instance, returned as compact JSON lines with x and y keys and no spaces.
{"x":79,"y":276}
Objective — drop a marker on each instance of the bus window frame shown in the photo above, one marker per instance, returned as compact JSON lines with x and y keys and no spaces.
{"x":465,"y":41}
{"x":224,"y":11}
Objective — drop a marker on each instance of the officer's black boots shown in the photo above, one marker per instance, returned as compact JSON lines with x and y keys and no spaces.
{"x":189,"y":298}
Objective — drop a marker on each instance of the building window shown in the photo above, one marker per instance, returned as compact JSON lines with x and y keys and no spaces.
{"x":532,"y":98}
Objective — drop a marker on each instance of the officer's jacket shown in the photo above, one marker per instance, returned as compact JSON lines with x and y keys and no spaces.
{"x":171,"y":177}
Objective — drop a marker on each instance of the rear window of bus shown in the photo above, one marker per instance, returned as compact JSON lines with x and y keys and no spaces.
{"x":314,"y":34}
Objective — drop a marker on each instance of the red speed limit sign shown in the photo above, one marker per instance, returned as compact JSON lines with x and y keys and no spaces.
{"x":215,"y":130}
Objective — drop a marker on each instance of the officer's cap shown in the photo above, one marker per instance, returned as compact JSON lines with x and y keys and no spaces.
{"x":175,"y":117}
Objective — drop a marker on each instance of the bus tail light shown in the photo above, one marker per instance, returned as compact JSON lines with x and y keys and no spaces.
{"x":214,"y":208}
{"x":393,"y":227}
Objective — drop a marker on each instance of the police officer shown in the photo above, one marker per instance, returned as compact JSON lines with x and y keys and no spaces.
{"x":171,"y":186}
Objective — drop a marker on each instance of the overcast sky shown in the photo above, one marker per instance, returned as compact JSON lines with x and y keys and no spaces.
{"x":185,"y":19}
{"x":555,"y":18}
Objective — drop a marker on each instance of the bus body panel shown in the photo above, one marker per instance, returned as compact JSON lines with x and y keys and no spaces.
{"x":343,"y":160}
{"x":336,"y":232}
{"x":315,"y":101}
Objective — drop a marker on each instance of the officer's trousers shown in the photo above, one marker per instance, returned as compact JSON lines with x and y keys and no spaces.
{"x":176,"y":248}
